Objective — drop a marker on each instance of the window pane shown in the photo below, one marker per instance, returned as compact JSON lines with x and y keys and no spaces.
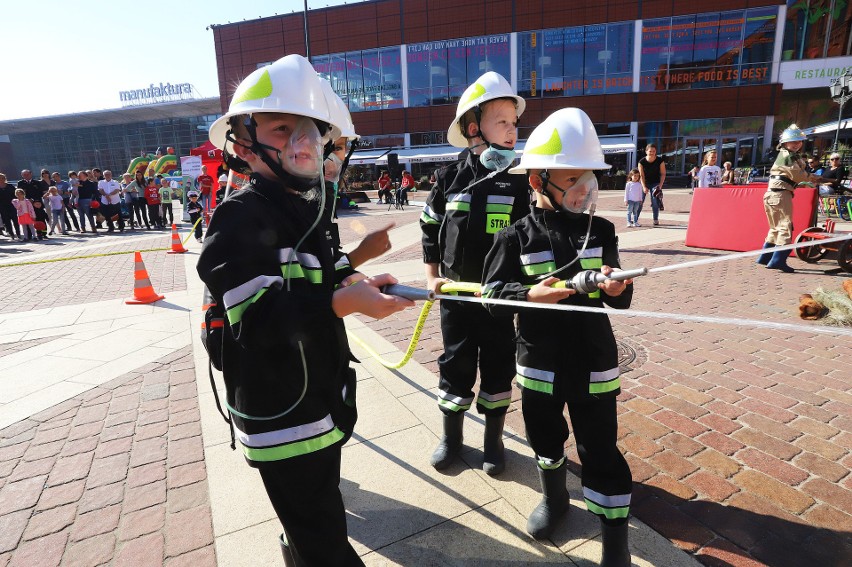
{"x":682,"y":41}
{"x":391,"y":78}
{"x":731,"y":25}
{"x":759,"y":35}
{"x":706,"y":38}
{"x":372,"y":73}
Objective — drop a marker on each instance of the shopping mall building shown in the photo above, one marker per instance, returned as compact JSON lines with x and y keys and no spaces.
{"x":729,"y":74}
{"x":108,"y":139}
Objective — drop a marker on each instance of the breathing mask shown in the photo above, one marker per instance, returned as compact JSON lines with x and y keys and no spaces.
{"x":333,"y":168}
{"x":497,"y":158}
{"x":581,"y":196}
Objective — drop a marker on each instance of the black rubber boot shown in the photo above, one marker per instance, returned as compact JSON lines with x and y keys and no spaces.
{"x":289,"y":561}
{"x":616,"y":553}
{"x":553,"y":505}
{"x":764,"y":258}
{"x":493,"y":462}
{"x":451,"y":443}
{"x":779,"y":262}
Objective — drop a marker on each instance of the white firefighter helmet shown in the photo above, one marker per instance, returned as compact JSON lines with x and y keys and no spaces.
{"x":792,"y":134}
{"x":288,"y":86}
{"x":565,"y":140}
{"x":340,"y":117}
{"x":489,"y":86}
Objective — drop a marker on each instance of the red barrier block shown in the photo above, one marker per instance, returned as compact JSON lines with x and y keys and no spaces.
{"x":732,"y":217}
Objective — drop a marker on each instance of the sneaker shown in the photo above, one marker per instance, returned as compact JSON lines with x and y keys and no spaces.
{"x":636,"y":224}
{"x":198,"y":239}
{"x":630,"y":224}
{"x":656,"y":223}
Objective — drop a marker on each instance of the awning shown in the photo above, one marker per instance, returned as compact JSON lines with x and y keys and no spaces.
{"x":368,"y":157}
{"x":447,"y":153}
{"x":829,"y":128}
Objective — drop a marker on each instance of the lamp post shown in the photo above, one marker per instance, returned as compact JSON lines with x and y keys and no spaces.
{"x":841,"y":92}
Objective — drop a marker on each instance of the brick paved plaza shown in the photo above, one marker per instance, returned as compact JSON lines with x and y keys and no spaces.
{"x":738,"y":437}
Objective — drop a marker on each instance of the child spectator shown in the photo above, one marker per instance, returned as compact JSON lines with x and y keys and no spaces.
{"x":26,"y":215}
{"x":57,"y":207}
{"x":566,"y":357}
{"x":40,"y":220}
{"x":633,"y":197}
{"x":152,"y":196}
{"x":710,"y":175}
{"x":194,"y":208}
{"x":166,"y":201}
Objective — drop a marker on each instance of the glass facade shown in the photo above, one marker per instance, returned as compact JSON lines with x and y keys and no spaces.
{"x":576,"y":61}
{"x":106,"y":146}
{"x":720,"y":49}
{"x":440,"y":71}
{"x":682,"y":144}
{"x":365,"y":80}
{"x":817,"y":28}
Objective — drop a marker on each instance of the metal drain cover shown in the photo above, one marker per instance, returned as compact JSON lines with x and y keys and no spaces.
{"x":626,"y":355}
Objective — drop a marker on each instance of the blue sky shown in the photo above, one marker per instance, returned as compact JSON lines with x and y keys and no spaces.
{"x":63,"y":57}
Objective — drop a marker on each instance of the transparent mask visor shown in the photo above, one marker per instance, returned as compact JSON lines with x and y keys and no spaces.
{"x":303,"y":155}
{"x":582,"y":195}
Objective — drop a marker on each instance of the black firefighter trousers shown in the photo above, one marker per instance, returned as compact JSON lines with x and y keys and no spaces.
{"x":305,"y":493}
{"x":472,"y":337}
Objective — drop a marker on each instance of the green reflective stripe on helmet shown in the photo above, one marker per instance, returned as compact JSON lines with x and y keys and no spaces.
{"x":476,"y":92}
{"x":608,"y":513}
{"x":536,"y":269}
{"x":261,"y":89}
{"x":458,"y":206}
{"x":426,"y":219}
{"x":530,"y":384}
{"x":235,"y":313}
{"x":498,"y":208}
{"x":551,"y":147}
{"x":296,"y":449}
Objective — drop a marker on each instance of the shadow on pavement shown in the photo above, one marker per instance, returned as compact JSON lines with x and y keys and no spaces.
{"x":729,"y":531}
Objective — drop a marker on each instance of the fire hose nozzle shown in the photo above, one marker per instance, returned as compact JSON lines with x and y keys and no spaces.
{"x":587,"y":281}
{"x":408,"y":292}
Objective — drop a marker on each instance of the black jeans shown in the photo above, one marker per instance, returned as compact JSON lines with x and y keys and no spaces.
{"x":10,"y":220}
{"x":167,"y":209}
{"x":109,"y":211}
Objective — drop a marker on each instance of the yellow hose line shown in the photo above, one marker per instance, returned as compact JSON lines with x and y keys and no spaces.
{"x":101,"y":255}
{"x":191,"y":230}
{"x":412,"y":345}
{"x":452,"y":287}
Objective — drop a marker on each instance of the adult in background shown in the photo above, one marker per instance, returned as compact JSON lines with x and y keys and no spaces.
{"x":110,"y":192}
{"x":33,"y":188}
{"x":728,"y":173}
{"x":406,"y":186}
{"x":652,"y":172}
{"x":204,"y":184}
{"x":140,"y":204}
{"x":384,"y":188}
{"x":786,"y":173}
{"x":834,"y":174}
{"x":86,"y":190}
{"x":64,"y":189}
{"x":8,"y":213}
{"x":129,"y":197}
{"x":814,"y":166}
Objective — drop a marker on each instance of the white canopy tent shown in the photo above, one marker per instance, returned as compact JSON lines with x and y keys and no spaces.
{"x":447,"y":153}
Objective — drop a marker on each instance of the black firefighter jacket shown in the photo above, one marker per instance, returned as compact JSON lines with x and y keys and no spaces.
{"x":563,"y":353}
{"x":283,"y":345}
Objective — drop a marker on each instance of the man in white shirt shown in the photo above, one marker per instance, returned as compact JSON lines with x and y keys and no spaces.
{"x":110,"y":192}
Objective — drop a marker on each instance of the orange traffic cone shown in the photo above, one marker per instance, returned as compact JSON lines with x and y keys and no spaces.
{"x":143,"y":292}
{"x":177,"y":247}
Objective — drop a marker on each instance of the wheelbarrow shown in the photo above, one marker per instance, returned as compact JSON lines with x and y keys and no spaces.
{"x":812,"y":254}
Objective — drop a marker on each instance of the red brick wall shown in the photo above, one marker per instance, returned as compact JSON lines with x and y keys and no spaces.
{"x":240,"y":47}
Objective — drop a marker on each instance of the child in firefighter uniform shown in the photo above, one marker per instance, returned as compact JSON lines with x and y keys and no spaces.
{"x":786,"y":173}
{"x":469,"y":203}
{"x":566,"y":356}
{"x":285,"y":357}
